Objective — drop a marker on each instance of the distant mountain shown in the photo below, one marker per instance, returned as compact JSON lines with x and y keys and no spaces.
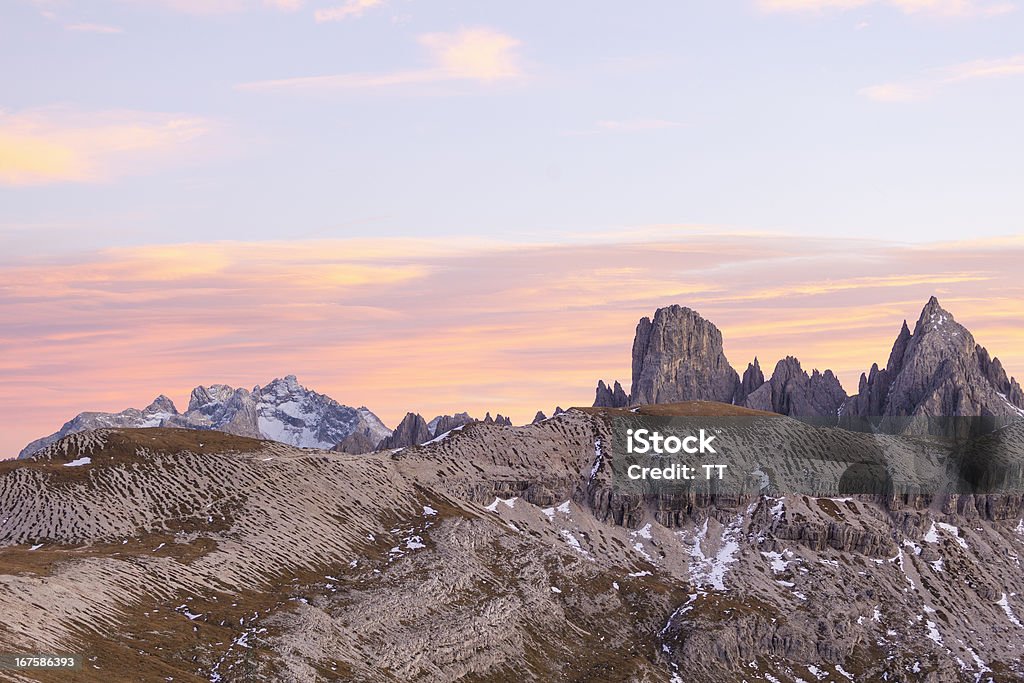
{"x":283,"y":410}
{"x":156,"y":414}
{"x":938,"y":370}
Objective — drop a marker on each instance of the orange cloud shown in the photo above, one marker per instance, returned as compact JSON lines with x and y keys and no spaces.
{"x":479,"y":55}
{"x":59,"y":145}
{"x":454,"y":324}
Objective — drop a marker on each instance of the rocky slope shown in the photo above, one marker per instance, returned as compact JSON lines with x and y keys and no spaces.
{"x":500,"y":553}
{"x":283,"y":410}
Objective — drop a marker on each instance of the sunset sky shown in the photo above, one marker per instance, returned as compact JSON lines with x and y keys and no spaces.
{"x":446,"y":206}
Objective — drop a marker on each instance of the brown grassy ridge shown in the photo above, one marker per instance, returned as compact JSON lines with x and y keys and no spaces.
{"x":683,"y":409}
{"x":123,"y":446}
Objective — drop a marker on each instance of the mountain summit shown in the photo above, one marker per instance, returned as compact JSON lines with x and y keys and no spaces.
{"x":937,"y":370}
{"x":678,"y":356}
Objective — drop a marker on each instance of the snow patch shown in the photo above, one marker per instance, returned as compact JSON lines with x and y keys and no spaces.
{"x":1004,"y":602}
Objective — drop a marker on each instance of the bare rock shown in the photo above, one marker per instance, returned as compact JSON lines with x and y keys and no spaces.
{"x":411,"y":431}
{"x":791,"y":391}
{"x":678,"y":356}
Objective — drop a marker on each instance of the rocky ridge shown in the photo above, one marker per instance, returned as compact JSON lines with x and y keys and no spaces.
{"x":282,"y":410}
{"x":936,"y":370}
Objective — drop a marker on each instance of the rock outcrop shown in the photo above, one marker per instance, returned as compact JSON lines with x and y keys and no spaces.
{"x":411,"y":431}
{"x":678,"y":356}
{"x":610,"y":397}
{"x":752,"y":380}
{"x":445,"y":423}
{"x":499,"y":419}
{"x":937,"y":370}
{"x":791,"y":391}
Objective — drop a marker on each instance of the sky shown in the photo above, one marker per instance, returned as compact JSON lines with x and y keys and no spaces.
{"x":441,"y":206}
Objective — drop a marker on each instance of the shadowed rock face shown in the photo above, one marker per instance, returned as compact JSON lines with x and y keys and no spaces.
{"x":678,"y":356}
{"x":753,"y":378}
{"x":938,"y":370}
{"x":412,"y":430}
{"x":445,"y":423}
{"x":610,"y":398}
{"x":791,"y":391}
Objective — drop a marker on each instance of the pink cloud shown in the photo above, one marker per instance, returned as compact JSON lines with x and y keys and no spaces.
{"x":444,"y":325}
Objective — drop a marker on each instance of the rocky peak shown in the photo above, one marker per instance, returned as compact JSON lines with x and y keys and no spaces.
{"x":606,"y":397}
{"x":678,"y":356}
{"x":791,"y":391}
{"x":411,"y":431}
{"x":539,"y":417}
{"x":938,"y":370}
{"x":752,"y":380}
{"x":497,"y":420}
{"x":445,"y":423}
{"x":899,"y":349}
{"x":283,"y":410}
{"x":215,"y":394}
{"x":161,"y":405}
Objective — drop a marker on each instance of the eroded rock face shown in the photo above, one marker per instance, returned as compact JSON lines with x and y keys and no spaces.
{"x":938,"y":370}
{"x":678,"y":356}
{"x":607,"y":397}
{"x":752,"y":380}
{"x":445,"y":423}
{"x":791,"y":391}
{"x":515,"y":549}
{"x":411,"y":431}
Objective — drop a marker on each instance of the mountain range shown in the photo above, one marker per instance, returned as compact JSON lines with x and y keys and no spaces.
{"x":282,"y":410}
{"x":457,"y":549}
{"x":936,"y":370}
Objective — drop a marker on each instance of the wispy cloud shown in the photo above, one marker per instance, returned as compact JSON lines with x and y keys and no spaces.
{"x":638,"y":125}
{"x":110,"y":329}
{"x":215,"y":7}
{"x":50,"y":145}
{"x":480,"y":55}
{"x":347,"y":10}
{"x":93,"y":28}
{"x":939,"y":79}
{"x":948,"y":8}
